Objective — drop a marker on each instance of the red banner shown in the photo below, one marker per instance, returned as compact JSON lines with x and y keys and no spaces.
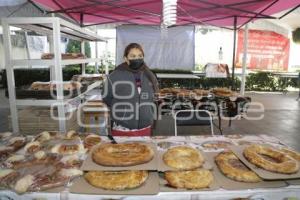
{"x":267,"y":50}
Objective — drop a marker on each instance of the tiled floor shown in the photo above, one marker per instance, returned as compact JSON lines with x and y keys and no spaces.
{"x":281,"y":119}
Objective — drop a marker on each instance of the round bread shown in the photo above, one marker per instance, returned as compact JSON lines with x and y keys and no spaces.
{"x":5,"y":151}
{"x":118,"y":180}
{"x":69,"y":161}
{"x":195,"y":179}
{"x":17,"y":142}
{"x":32,"y":147}
{"x":22,"y":162}
{"x":234,"y":169}
{"x":183,"y":158}
{"x":271,"y":159}
{"x":67,"y":149}
{"x":71,"y":135}
{"x":91,"y":140}
{"x":293,"y":154}
{"x":126,"y":154}
{"x":43,"y":136}
{"x":217,"y":144}
{"x":7,"y":176}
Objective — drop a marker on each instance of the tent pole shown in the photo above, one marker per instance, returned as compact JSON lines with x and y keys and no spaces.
{"x":97,"y":49}
{"x":234,"y":46}
{"x":242,"y":92}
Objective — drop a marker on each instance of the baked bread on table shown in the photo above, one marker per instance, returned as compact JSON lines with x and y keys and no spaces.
{"x":183,"y":158}
{"x":91,"y":140}
{"x":201,"y":92}
{"x":52,"y":86}
{"x":116,"y":180}
{"x":125,"y":154}
{"x":5,"y":151}
{"x":46,"y":136}
{"x":216,"y":144}
{"x":68,"y":149}
{"x":16,"y":142}
{"x":193,"y":179}
{"x":32,"y":147}
{"x":292,"y":153}
{"x":39,"y":158}
{"x":234,"y":169}
{"x":165,"y":91}
{"x":7,"y":176}
{"x":223,"y":92}
{"x":271,"y":159}
{"x":87,"y":77}
{"x":71,"y":135}
{"x":69,"y":161}
{"x":49,"y":177}
{"x":64,"y":56}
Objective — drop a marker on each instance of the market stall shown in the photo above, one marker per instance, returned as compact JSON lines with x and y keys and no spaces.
{"x":55,"y":93}
{"x":61,"y":163}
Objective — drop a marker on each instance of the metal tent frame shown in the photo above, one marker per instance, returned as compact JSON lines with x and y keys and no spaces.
{"x":203,"y":6}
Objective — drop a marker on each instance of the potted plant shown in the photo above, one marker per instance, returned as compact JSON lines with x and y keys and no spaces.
{"x":296,"y":35}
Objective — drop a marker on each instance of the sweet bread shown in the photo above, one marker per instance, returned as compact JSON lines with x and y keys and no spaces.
{"x":117,"y":180}
{"x":126,"y":154}
{"x":32,"y":147}
{"x":5,"y":151}
{"x":91,"y":140}
{"x":52,"y":86}
{"x":46,"y":136}
{"x":201,"y":92}
{"x":67,"y":149}
{"x":69,"y":161}
{"x":7,"y":176}
{"x":225,"y":92}
{"x":292,"y":153}
{"x":195,"y":179}
{"x":271,"y":159}
{"x":217,"y":144}
{"x":72,"y":135}
{"x":64,"y":56}
{"x":39,"y":158}
{"x":234,"y":169}
{"x":17,"y":142}
{"x":183,"y":158}
{"x":47,"y":179}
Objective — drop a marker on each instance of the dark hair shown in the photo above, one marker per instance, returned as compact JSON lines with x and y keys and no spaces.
{"x":133,"y":46}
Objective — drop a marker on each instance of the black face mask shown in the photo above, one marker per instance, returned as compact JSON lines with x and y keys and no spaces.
{"x":135,"y":64}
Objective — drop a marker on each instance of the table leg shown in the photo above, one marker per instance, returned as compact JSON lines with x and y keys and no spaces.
{"x":299,"y":87}
{"x":87,"y":122}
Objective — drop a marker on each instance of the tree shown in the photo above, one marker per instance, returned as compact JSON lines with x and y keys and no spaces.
{"x":296,"y":35}
{"x":74,"y":47}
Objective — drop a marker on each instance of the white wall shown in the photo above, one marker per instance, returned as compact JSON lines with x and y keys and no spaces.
{"x":207,"y":46}
{"x":19,"y":53}
{"x":294,"y":60}
{"x":105,"y":49}
{"x":37,"y":46}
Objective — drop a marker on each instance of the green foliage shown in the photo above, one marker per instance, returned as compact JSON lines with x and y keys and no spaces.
{"x":261,"y":81}
{"x":74,"y":47}
{"x":267,"y":81}
{"x":296,"y":35}
{"x":176,"y":71}
{"x":208,"y":83}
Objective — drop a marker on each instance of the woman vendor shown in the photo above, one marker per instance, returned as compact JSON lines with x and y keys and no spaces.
{"x":129,"y":92}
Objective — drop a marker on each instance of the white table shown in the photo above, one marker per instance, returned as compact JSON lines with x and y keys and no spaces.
{"x":291,"y":191}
